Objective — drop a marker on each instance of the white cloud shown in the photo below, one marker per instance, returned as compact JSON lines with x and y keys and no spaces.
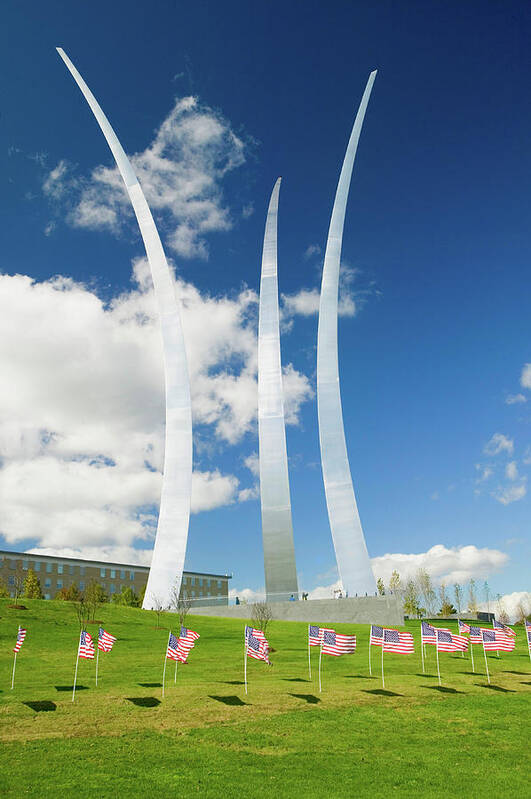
{"x":304,"y":303}
{"x":511,"y":471}
{"x":514,"y":399}
{"x":311,"y":250}
{"x":510,"y":603}
{"x":453,"y":565}
{"x":499,"y":443}
{"x":525,"y":377}
{"x":511,"y":493}
{"x":181,"y":173}
{"x":247,"y":595}
{"x":253,"y":464}
{"x":485,"y":473}
{"x":82,"y":406}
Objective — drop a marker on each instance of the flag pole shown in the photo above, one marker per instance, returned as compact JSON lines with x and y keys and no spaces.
{"x":383,"y":680}
{"x":75,"y":674}
{"x":97,"y":661}
{"x":528,"y":641}
{"x":309,"y":656}
{"x":245,"y":660}
{"x":14,"y":667}
{"x":164,"y":669}
{"x":437,"y":651}
{"x":370,"y":666}
{"x":175,"y":677}
{"x":320,"y":656}
{"x":422,"y":653}
{"x":472,"y":656}
{"x":497,"y":652}
{"x":486,"y":664}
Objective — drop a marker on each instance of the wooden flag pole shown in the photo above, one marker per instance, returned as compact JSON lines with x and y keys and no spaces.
{"x":320,"y":657}
{"x":486,"y":664}
{"x":309,"y":655}
{"x":245,"y":660}
{"x":97,"y":661}
{"x":75,"y":674}
{"x":164,"y":669}
{"x":383,"y":680}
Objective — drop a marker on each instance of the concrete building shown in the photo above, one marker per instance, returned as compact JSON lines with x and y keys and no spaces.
{"x":55,"y":573}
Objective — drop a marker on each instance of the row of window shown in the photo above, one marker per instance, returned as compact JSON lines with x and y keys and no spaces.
{"x":66,"y":568}
{"x":202,"y":581}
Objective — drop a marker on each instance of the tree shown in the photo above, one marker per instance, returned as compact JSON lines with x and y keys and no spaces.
{"x":380,"y":586}
{"x":458,"y":594}
{"x":18,"y":582}
{"x":394,"y":583}
{"x":82,"y":611}
{"x":70,"y":594}
{"x":472,"y":600}
{"x":94,"y":597}
{"x":181,"y":603}
{"x":411,"y":600}
{"x":157,"y":604}
{"x":32,"y":586}
{"x":486,"y":594}
{"x":142,"y":595}
{"x":3,"y":590}
{"x":447,"y":609}
{"x":427,"y":591}
{"x":126,"y":597}
{"x":261,"y":616}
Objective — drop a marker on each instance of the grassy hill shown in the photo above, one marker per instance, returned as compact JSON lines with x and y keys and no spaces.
{"x":207,"y":737}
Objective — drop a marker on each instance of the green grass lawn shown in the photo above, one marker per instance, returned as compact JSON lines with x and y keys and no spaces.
{"x":209,"y":738}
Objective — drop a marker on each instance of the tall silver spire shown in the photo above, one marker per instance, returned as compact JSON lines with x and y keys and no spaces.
{"x":277,"y":530}
{"x":172,"y":530}
{"x":351,"y":551}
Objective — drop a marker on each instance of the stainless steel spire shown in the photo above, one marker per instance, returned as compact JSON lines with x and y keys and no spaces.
{"x":277,"y":530}
{"x":172,"y":530}
{"x":351,"y":551}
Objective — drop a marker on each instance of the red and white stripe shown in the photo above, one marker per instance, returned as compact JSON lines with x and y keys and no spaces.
{"x":186,"y":643}
{"x":20,"y":639}
{"x":458,"y":643}
{"x":403,"y":646}
{"x":86,"y":646}
{"x":504,"y":642}
{"x":106,"y":641}
{"x":344,"y":645}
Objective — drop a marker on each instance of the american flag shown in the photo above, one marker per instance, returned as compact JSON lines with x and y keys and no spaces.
{"x":376,"y":638}
{"x":463,"y":626}
{"x":315,"y":634}
{"x":105,"y":640}
{"x":256,"y":633}
{"x":494,"y":640}
{"x":20,"y":639}
{"x":427,"y":633}
{"x":528,"y":631}
{"x":448,"y":642}
{"x":401,"y":643}
{"x":475,"y":635}
{"x":337,"y":644}
{"x":172,"y":651}
{"x":86,"y":646}
{"x":186,"y":643}
{"x":499,"y":626}
{"x":256,"y":648}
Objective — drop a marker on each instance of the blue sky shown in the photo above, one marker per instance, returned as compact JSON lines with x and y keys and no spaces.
{"x":436,"y":255}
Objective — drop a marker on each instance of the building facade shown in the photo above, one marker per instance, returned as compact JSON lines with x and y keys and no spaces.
{"x":56,"y":573}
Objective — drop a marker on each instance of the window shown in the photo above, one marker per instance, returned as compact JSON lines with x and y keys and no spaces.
{"x":49,"y":568}
{"x":11,"y":580}
{"x":113,"y":574}
{"x":81,"y":586}
{"x":82,"y":571}
{"x":71,"y":568}
{"x":131,"y":575}
{"x":122,"y":574}
{"x":59,"y":568}
{"x":219,"y":583}
{"x":193,"y":593}
{"x":12,"y":563}
{"x":47,"y":583}
{"x":113,"y":587}
{"x":102,"y":572}
{"x":25,"y":565}
{"x":209,"y":583}
{"x":59,"y":584}
{"x":192,"y":582}
{"x":37,"y":565}
{"x":47,"y":596}
{"x":200,"y":581}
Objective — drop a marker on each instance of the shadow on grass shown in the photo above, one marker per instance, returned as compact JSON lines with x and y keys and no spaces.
{"x":235,"y":701}
{"x":150,"y":684}
{"x":309,"y":698}
{"x":495,"y":688}
{"x":45,"y":706}
{"x":71,"y":688}
{"x":380,"y":692}
{"x":520,"y":673}
{"x":469,"y":673}
{"x":233,"y":682}
{"x":143,"y":701}
{"x":443,"y":689}
{"x":358,"y":677}
{"x":525,"y":683}
{"x":294,"y":679}
{"x":429,"y":675}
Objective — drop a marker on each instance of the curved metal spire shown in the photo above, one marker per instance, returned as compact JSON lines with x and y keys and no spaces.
{"x":351,"y":551}
{"x":172,"y":530}
{"x":277,"y":530}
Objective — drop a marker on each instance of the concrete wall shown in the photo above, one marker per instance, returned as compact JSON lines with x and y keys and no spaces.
{"x":386,"y":610}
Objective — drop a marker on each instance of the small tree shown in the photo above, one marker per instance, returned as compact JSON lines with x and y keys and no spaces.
{"x":82,"y":611}
{"x":126,"y":597}
{"x":32,"y":586}
{"x":70,"y":594}
{"x":3,"y":590}
{"x":94,"y":597}
{"x":181,"y":603}
{"x":426,"y":590}
{"x":472,"y":600}
{"x":261,"y":616}
{"x":141,"y":595}
{"x":411,"y":600}
{"x":18,"y":582}
{"x":486,"y":594}
{"x":394,"y":583}
{"x":458,"y":595}
{"x":157,"y":605}
{"x":380,"y":586}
